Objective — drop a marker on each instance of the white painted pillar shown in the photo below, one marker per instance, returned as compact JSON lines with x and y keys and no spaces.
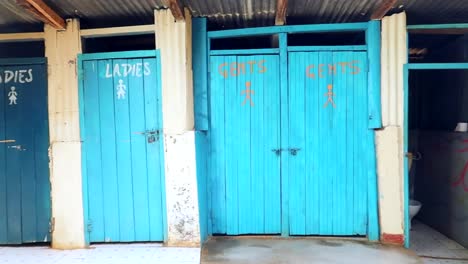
{"x":389,"y":140}
{"x":173,"y":39}
{"x":62,"y":48}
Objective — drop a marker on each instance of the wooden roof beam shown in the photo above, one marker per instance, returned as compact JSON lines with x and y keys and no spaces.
{"x":383,"y":9}
{"x":281,"y":6}
{"x":177,"y":9}
{"x":43,"y":12}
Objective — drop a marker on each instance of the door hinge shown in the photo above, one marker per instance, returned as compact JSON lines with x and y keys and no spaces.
{"x":89,"y":226}
{"x":52,"y":225}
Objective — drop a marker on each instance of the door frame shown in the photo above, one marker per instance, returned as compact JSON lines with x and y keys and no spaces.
{"x":406,"y":71}
{"x":36,"y":61}
{"x":105,"y":56}
{"x":201,"y":92}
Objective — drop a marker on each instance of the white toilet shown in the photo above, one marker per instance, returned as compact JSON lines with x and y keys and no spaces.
{"x":414,"y":207}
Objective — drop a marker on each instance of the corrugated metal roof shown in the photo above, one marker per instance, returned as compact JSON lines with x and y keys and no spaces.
{"x":331,"y":11}
{"x":234,"y":13}
{"x":435,"y":11}
{"x":95,"y":13}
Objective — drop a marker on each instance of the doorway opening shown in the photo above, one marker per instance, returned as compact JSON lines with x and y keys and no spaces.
{"x":438,"y":145}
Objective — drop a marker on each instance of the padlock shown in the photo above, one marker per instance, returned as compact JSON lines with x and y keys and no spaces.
{"x":151,"y":139}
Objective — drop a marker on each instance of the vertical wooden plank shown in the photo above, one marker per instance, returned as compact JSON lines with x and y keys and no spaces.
{"x":285,"y":216}
{"x":14,"y":154}
{"x":234,"y":127}
{"x":28,"y":101}
{"x":360,"y":179}
{"x":297,"y":192}
{"x":241,"y":117}
{"x":124,"y":158}
{"x":271,"y":138}
{"x":327,"y":135}
{"x":374,"y":104}
{"x":218,"y":144}
{"x":200,"y":88}
{"x":340,"y":91}
{"x":200,"y":70}
{"x":41,"y":155}
{"x":83,"y":136}
{"x":258,"y":131}
{"x":139,"y":139}
{"x":3,"y":175}
{"x":108,"y":148}
{"x":161,"y":148}
{"x":350,"y":152}
{"x":93,"y":150}
{"x":312,"y":109}
{"x":154,"y":159}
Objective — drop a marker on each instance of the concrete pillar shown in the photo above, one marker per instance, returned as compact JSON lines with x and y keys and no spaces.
{"x":173,"y":39}
{"x":389,"y":139}
{"x":62,"y":48}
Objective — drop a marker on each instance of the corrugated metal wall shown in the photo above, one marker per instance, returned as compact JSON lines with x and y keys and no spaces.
{"x":394,"y":56}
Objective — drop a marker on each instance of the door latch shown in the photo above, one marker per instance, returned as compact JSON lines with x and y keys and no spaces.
{"x":152,"y":136}
{"x":277,"y":151}
{"x":293,"y":151}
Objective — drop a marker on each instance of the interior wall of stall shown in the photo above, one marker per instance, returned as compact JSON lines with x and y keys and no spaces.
{"x":438,"y":100}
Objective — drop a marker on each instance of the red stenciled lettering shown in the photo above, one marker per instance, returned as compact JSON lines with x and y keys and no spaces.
{"x":262,"y":69}
{"x":309,"y":73}
{"x":223,"y":71}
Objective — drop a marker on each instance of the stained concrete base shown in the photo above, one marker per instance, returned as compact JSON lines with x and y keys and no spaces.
{"x":246,"y":250}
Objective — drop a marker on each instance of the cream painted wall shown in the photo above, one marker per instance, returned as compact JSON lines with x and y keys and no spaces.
{"x":389,"y":140}
{"x":62,"y":48}
{"x":174,"y":41}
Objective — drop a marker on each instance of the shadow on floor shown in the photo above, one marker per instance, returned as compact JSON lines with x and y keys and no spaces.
{"x":251,"y":250}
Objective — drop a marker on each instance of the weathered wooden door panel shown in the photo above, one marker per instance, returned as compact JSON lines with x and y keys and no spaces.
{"x":24,"y":142}
{"x":245,"y":145}
{"x":123,"y":148}
{"x":328,"y":127}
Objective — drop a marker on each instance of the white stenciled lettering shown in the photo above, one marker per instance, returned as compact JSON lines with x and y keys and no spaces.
{"x":117,"y":70}
{"x":22,"y":76}
{"x":9,"y":76}
{"x":138,"y":70}
{"x":108,"y":71}
{"x":16,"y":76}
{"x":30,"y":77}
{"x":128,"y":70}
{"x":147,"y":70}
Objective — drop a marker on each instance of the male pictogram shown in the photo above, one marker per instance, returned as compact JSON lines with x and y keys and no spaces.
{"x":330,"y":94}
{"x":248,"y":94}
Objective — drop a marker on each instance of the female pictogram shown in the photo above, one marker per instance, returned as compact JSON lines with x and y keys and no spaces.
{"x":12,"y":95}
{"x":121,"y":90}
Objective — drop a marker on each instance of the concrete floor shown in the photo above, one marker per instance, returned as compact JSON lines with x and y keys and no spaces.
{"x":252,"y":250}
{"x":101,"y":254}
{"x":426,"y":241}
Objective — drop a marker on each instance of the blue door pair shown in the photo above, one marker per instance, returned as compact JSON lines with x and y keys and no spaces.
{"x":326,"y":181}
{"x":123,"y":164}
{"x":24,"y":142}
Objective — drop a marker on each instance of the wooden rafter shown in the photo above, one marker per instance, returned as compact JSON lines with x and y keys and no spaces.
{"x":176,"y":9}
{"x":43,"y":12}
{"x":383,"y":9}
{"x":281,"y":6}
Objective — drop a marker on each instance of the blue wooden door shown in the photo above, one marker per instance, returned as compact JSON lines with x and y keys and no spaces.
{"x":122,"y":146}
{"x":329,"y":137}
{"x":245,"y":186}
{"x":24,"y":163}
